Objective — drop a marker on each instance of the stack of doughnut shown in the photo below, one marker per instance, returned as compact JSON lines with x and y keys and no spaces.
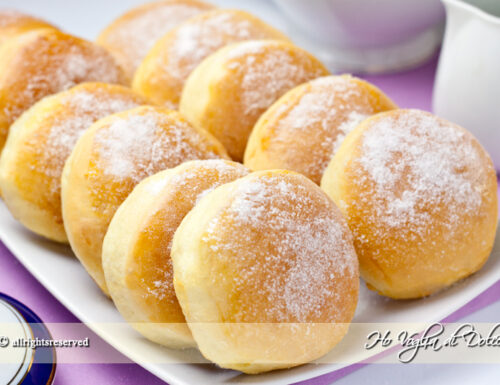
{"x":224,"y":189}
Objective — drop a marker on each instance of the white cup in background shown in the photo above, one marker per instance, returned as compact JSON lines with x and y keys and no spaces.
{"x":467,"y":88}
{"x":367,"y":35}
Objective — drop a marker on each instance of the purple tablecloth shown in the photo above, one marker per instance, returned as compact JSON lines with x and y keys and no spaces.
{"x":412,"y":89}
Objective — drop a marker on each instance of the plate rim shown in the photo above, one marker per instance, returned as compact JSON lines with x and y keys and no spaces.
{"x":166,"y":375}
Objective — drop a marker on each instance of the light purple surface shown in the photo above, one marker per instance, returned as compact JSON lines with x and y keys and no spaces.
{"x":412,"y":89}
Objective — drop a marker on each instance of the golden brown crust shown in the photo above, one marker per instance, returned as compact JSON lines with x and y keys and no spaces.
{"x":133,"y":34}
{"x":136,"y":256}
{"x":265,"y":272}
{"x":229,"y":91}
{"x":164,"y":71}
{"x":113,"y":156}
{"x":303,"y":129}
{"x":419,"y":194}
{"x":43,"y":62}
{"x":39,"y":144}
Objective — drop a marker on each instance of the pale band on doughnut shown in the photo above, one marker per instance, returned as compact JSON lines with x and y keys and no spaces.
{"x":136,"y":249}
{"x":113,"y":156}
{"x":39,"y":143}
{"x":265,"y":272}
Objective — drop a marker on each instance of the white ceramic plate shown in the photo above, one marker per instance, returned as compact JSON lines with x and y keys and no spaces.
{"x":56,"y":268}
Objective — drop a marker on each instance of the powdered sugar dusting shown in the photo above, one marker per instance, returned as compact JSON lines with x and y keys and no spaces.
{"x":142,"y":144}
{"x":353,"y":120}
{"x":137,"y":35}
{"x":292,"y":250}
{"x":305,"y":128}
{"x":81,"y":109}
{"x":329,"y":109}
{"x":197,"y":174}
{"x":196,"y":39}
{"x":87,"y":107}
{"x":54,"y":62}
{"x":160,"y":288}
{"x":217,"y":170}
{"x":268,"y":73}
{"x":422,"y":169}
{"x":76,"y":66}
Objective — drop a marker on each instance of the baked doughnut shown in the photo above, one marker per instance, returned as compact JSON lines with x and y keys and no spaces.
{"x":303,"y":129}
{"x":132,"y":35}
{"x":13,"y":23}
{"x":136,"y":249}
{"x":228,"y":91}
{"x":39,"y":143}
{"x":420,"y":196}
{"x":109,"y":159}
{"x":162,"y":74}
{"x":265,"y":272}
{"x":43,"y":62}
